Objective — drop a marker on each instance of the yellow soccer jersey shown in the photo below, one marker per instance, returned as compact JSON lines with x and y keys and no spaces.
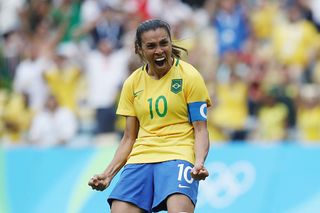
{"x":165,"y":132}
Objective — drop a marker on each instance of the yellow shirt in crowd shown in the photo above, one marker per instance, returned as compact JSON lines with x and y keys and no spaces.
{"x":231,"y":110}
{"x":63,"y":85}
{"x":293,"y":42}
{"x":273,"y":122}
{"x":308,"y":122}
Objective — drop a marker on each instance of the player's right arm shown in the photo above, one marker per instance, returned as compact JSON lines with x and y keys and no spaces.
{"x":102,"y":181}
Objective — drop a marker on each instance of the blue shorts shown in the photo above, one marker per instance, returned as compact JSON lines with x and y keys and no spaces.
{"x":148,"y":185}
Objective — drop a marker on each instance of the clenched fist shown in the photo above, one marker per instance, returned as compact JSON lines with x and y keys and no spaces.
{"x":99,"y":182}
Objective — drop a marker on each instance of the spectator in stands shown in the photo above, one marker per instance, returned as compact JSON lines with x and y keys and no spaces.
{"x":105,"y":71}
{"x":10,"y":56}
{"x":3,"y":102}
{"x":63,"y":79}
{"x":263,"y":16}
{"x":231,"y":25}
{"x":66,"y":14}
{"x":32,"y":14}
{"x":107,"y":24}
{"x":310,"y":10}
{"x":231,"y":91}
{"x":295,"y":42}
{"x":53,"y":125}
{"x":272,"y":118}
{"x":17,"y":117}
{"x":282,"y":48}
{"x":172,"y":11}
{"x":308,"y":114}
{"x":9,"y":11}
{"x":29,"y":77}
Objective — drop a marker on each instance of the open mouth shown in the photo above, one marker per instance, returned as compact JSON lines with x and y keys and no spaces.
{"x":160,"y":61}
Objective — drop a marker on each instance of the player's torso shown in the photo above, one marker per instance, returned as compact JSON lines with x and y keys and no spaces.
{"x":159,"y":103}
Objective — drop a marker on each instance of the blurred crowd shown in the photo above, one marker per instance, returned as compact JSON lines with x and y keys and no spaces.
{"x":63,"y":62}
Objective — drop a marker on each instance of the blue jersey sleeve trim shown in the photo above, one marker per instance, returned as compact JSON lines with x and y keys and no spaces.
{"x":197,"y":111}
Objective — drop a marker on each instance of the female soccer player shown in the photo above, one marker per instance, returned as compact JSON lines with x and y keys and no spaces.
{"x":165,"y":142}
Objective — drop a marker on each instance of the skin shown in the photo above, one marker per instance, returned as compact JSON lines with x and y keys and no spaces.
{"x":201,"y":148}
{"x":102,"y":181}
{"x":156,"y":44}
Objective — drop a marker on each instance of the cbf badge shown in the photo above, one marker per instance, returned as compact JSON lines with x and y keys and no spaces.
{"x":176,"y":85}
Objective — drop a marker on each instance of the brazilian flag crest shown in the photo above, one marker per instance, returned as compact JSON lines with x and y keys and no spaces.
{"x":176,"y":85}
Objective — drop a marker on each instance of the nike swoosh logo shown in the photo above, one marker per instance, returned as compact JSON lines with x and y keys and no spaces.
{"x":182,"y":186}
{"x":135,"y":94}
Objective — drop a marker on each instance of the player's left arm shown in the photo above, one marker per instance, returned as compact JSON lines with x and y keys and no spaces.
{"x":198,"y":101}
{"x":198,"y":117}
{"x":201,"y":148}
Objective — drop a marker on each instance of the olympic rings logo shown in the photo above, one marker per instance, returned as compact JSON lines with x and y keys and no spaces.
{"x":226,"y":183}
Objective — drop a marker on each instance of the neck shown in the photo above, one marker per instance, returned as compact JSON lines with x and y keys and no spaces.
{"x":157,"y":74}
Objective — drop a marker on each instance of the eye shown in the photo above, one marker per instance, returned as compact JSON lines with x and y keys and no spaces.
{"x":164,"y":43}
{"x":150,"y":46}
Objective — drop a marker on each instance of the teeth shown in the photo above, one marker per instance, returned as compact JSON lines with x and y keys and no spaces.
{"x":160,"y":59}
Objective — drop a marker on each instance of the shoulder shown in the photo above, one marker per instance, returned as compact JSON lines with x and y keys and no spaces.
{"x":188,"y":71}
{"x":134,"y":76}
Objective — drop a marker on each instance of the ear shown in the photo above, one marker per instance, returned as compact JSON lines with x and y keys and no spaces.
{"x":140,"y":52}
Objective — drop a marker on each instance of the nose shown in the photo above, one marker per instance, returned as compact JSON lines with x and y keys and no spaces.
{"x":158,"y":50}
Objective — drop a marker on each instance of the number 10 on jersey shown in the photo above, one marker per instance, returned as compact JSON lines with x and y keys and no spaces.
{"x":161,"y":99}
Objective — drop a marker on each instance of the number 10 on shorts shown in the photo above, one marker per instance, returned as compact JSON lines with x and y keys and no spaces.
{"x":184,"y":171}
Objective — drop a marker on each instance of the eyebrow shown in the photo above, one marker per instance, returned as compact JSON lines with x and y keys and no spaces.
{"x":161,"y":41}
{"x":164,"y":40}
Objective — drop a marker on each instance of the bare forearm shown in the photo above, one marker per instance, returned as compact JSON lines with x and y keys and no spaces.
{"x":201,"y":146}
{"x":102,"y":181}
{"x":125,"y":147}
{"x":119,"y":159}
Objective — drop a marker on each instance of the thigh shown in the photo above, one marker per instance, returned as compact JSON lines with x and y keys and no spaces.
{"x":173,"y":178}
{"x":135,"y":187}
{"x":120,"y":207}
{"x":179,"y":203}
